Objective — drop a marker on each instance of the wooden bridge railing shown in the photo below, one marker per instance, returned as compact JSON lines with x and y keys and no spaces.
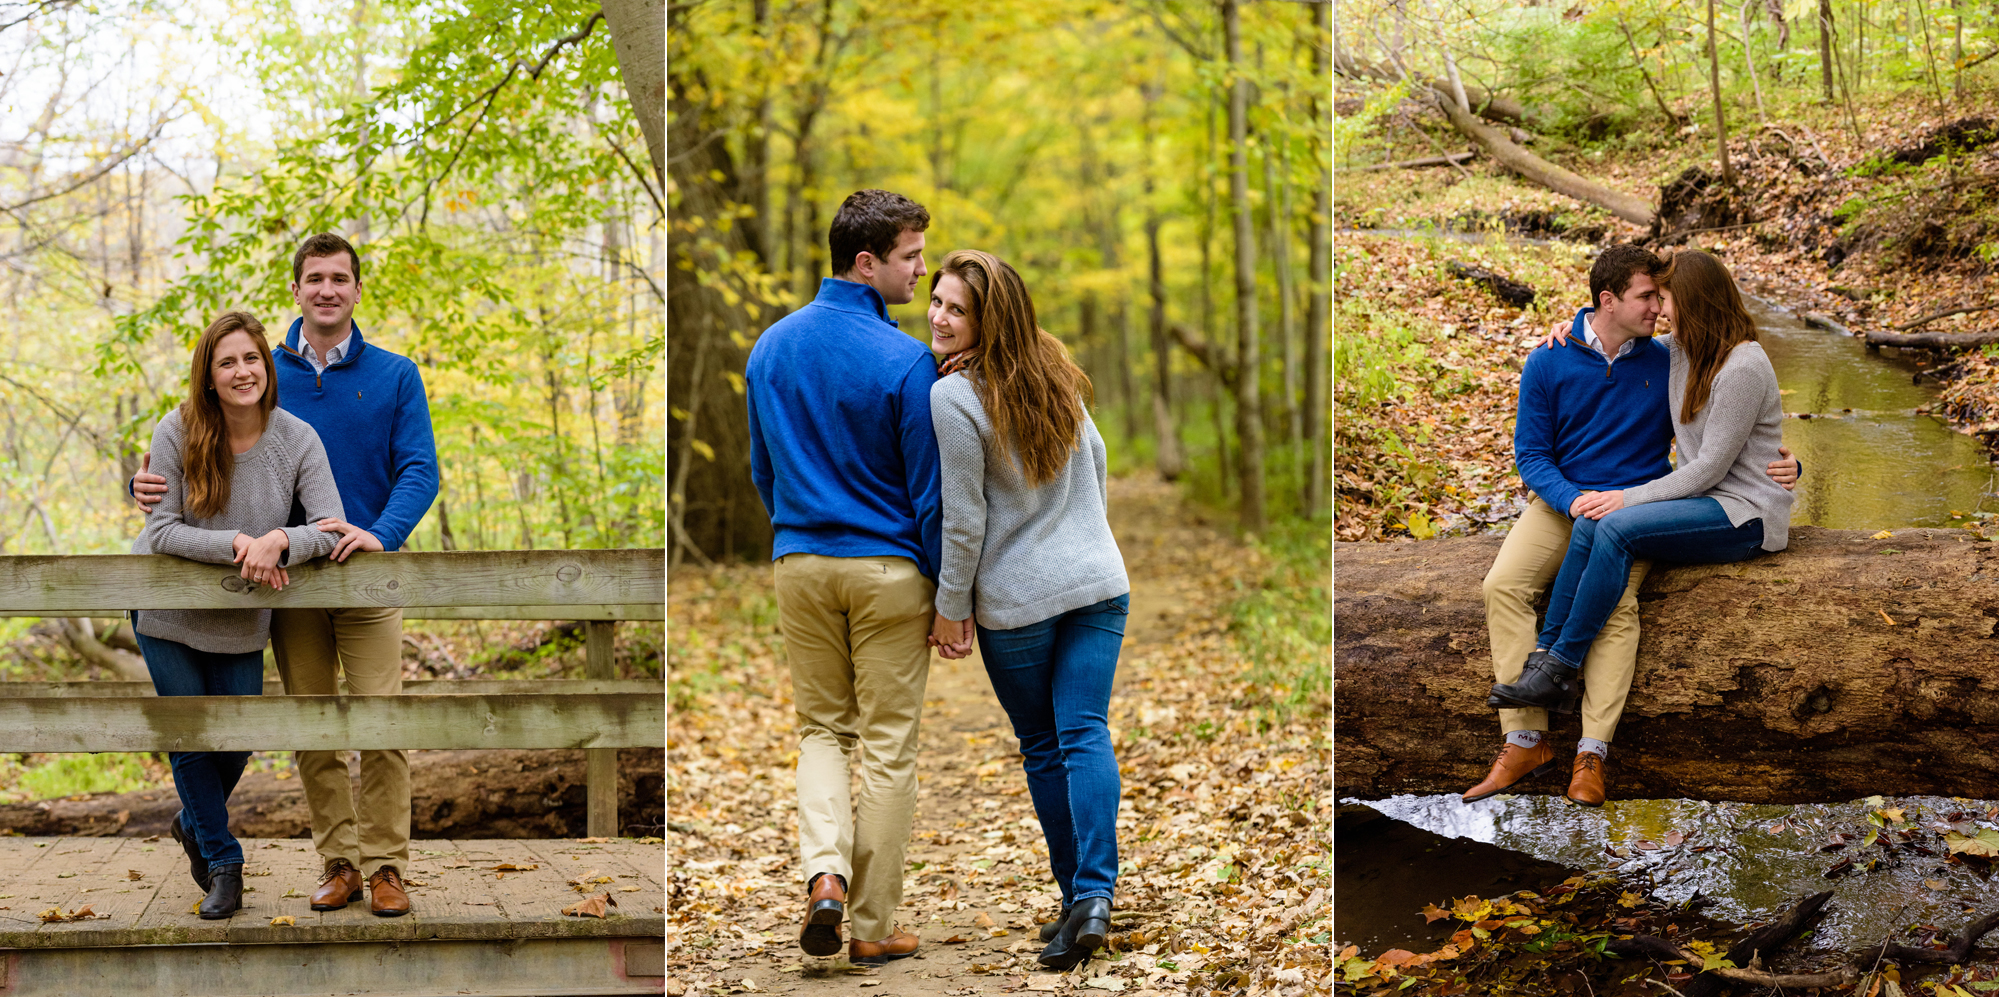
{"x":598,"y":713}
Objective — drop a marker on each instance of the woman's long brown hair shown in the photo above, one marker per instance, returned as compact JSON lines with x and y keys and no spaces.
{"x":1031,"y":389}
{"x":1709,"y":320}
{"x":206,"y":461}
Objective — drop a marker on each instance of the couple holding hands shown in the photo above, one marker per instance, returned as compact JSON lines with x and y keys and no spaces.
{"x":927,"y":498}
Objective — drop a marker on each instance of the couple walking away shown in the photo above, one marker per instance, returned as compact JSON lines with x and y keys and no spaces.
{"x":918,"y":504}
{"x":232,"y":478}
{"x":1598,"y":410}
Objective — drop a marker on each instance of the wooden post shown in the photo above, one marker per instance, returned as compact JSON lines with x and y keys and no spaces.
{"x":600,"y":772}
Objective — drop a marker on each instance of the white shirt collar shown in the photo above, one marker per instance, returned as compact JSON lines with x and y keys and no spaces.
{"x":333,"y":353}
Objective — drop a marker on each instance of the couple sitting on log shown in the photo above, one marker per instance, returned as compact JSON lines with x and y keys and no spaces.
{"x":1598,"y":410}
{"x":241,"y":481}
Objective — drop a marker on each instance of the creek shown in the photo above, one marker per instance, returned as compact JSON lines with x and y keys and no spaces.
{"x":1872,"y":460}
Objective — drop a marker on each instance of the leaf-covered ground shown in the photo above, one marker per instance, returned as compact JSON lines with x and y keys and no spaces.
{"x":1225,"y":876}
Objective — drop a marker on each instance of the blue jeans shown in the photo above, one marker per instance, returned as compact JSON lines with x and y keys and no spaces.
{"x":1054,"y":680}
{"x":204,"y":779}
{"x":1596,"y":567}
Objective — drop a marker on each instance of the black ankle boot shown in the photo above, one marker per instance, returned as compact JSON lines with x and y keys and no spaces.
{"x":197,"y":866}
{"x":225,"y":895}
{"x":1544,"y":682}
{"x":1049,"y":930}
{"x":1082,"y":932}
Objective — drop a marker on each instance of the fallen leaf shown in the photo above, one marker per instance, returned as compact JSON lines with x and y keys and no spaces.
{"x":1886,"y":619}
{"x":956,"y":940}
{"x":1674,"y":838}
{"x":628,"y":889}
{"x":594,"y":841}
{"x":134,"y":875}
{"x":1984,"y":845}
{"x":1111,"y":983}
{"x":1884,"y":535}
{"x":982,"y":920}
{"x":287,"y":921}
{"x":512,"y":867}
{"x":1432,"y":913}
{"x":590,"y":906}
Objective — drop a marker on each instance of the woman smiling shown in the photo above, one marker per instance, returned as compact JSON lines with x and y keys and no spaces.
{"x":235,"y":466}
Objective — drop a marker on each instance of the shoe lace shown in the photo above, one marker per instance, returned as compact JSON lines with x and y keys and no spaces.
{"x":338,"y":867}
{"x":388,"y":873}
{"x":1588,"y":761}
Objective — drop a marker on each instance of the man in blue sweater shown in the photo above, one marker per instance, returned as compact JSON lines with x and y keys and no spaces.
{"x":1593,"y":416}
{"x":368,"y":407}
{"x":842,"y":453}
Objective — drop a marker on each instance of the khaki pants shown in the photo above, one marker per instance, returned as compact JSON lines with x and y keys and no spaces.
{"x":314,"y":648}
{"x":854,"y":635}
{"x":1527,"y":565}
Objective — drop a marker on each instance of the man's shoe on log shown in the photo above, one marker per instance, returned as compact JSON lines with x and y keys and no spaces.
{"x":825,"y":903}
{"x":900,"y":944}
{"x":197,"y":866}
{"x":1082,"y":933}
{"x":1586,"y":779}
{"x":386,"y":896}
{"x":340,"y":886}
{"x":225,"y":893}
{"x":1514,"y":764}
{"x":1544,"y":682}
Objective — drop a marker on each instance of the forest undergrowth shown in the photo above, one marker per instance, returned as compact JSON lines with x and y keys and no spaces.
{"x":1219,"y":722}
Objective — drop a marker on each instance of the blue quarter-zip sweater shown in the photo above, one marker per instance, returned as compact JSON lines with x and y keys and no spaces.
{"x":841,"y":446}
{"x":1585,"y":424}
{"x":370,"y":412}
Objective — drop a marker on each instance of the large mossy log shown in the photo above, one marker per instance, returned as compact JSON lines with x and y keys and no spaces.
{"x":1842,"y":667}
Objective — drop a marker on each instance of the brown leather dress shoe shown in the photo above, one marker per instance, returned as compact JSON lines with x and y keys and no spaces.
{"x":340,"y":886}
{"x":1514,"y":764}
{"x":900,"y":944}
{"x":1586,"y":779}
{"x":825,"y":903}
{"x":385,"y":893}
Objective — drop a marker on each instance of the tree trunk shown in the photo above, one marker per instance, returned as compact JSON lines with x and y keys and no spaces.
{"x":1166,"y":434}
{"x":1278,"y":210}
{"x":1756,"y":87}
{"x":1839,"y":668}
{"x":1249,"y":352}
{"x":1319,"y":310}
{"x":1826,"y":48}
{"x":1715,"y":91}
{"x":1548,"y":174}
{"x":639,"y":37}
{"x":1640,"y":61}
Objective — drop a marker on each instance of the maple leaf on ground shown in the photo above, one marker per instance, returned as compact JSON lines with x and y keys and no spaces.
{"x":590,"y":906}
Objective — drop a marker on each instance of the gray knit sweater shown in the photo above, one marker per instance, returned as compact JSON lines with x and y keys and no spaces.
{"x":287,"y":461}
{"x":1724,"y":452}
{"x":1018,"y":554}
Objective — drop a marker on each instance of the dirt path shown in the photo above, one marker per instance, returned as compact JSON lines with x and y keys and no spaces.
{"x":978,"y":883}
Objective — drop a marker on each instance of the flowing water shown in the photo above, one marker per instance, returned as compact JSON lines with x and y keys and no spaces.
{"x":1871,"y":461}
{"x":1757,"y":859}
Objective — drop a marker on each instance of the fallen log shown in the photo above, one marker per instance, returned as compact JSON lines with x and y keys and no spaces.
{"x":1491,"y":106}
{"x":1820,"y":320}
{"x":1507,"y":289}
{"x":1840,"y":668}
{"x":1412,"y":164}
{"x":1946,"y":313}
{"x":1933,"y":340}
{"x":1541,"y":171}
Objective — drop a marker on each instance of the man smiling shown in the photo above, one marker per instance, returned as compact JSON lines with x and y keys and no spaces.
{"x":369,"y":408}
{"x":844,"y":457}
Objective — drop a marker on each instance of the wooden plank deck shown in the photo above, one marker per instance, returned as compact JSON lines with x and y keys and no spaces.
{"x":454,"y":893}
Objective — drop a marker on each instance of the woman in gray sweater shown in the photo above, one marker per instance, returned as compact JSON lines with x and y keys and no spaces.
{"x":1717,"y":506}
{"x":235,"y":466}
{"x":1030,"y":564}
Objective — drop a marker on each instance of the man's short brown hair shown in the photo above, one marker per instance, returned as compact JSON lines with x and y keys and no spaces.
{"x":324,"y":244}
{"x":1614,"y":269}
{"x":870,"y":221}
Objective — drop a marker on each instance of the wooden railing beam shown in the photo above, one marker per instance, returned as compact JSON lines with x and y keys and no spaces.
{"x":600,"y":771}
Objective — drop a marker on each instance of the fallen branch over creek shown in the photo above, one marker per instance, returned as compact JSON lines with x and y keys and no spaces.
{"x":1842,"y":667}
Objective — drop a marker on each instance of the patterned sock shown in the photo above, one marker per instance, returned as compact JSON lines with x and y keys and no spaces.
{"x":1599,"y":748}
{"x":1525,"y":738}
